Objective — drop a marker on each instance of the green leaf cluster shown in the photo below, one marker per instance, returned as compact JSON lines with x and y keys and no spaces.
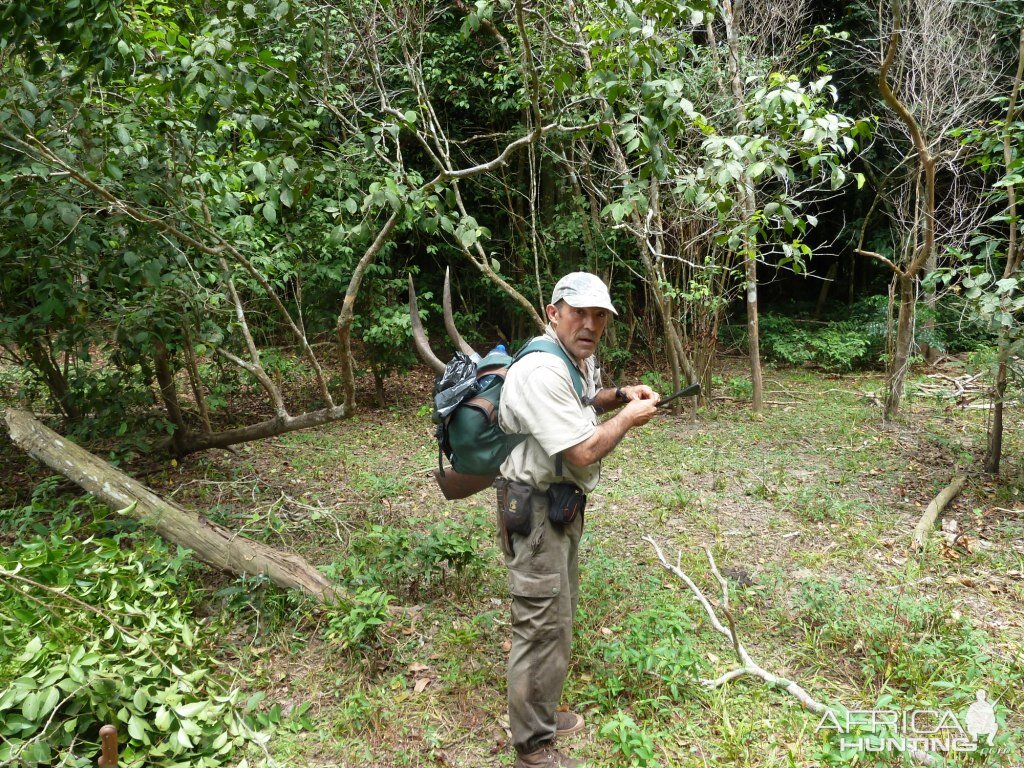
{"x":96,"y":631}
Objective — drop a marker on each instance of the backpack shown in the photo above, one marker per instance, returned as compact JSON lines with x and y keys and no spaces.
{"x":466,"y":400}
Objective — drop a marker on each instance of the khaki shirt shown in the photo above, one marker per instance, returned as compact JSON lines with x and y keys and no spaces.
{"x":538,"y":400}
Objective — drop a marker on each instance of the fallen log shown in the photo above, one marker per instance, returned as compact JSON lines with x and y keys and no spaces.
{"x":209,"y":542}
{"x":931,"y":514}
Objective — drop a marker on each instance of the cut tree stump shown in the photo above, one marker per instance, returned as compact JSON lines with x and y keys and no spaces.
{"x":211,"y":543}
{"x":931,"y":514}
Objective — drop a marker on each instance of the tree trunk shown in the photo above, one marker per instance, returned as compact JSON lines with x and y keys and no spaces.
{"x":994,"y":454}
{"x":903,"y":348}
{"x":169,"y":394}
{"x":747,"y":207}
{"x":995,"y":436}
{"x":830,"y":277}
{"x":194,"y":379}
{"x":753,"y":334}
{"x":211,"y":543}
{"x":39,"y":353}
{"x":378,"y":387}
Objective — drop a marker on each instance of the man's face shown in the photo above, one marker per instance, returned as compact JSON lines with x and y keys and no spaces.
{"x":578,"y":328}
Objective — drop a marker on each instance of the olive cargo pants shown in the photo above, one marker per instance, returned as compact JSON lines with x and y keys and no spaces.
{"x":543,"y":577}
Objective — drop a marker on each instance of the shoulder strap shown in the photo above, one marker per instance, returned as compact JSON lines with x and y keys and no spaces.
{"x":551,"y":347}
{"x":547,"y":345}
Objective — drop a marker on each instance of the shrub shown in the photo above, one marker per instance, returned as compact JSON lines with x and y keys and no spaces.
{"x":356,"y":625}
{"x":417,"y":558}
{"x":838,"y":346}
{"x":93,"y":632}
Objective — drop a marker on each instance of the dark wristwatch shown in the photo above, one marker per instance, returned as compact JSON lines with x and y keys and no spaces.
{"x":621,"y":396}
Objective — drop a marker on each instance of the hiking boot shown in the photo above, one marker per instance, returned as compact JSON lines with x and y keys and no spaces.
{"x":568,"y":723}
{"x":546,"y":757}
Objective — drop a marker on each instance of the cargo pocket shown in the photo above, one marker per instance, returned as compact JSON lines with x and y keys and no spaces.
{"x":534,"y":603}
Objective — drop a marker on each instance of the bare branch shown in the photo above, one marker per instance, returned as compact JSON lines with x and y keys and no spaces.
{"x":747,"y":665}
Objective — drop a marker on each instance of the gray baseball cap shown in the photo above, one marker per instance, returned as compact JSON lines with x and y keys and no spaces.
{"x":582,"y":289}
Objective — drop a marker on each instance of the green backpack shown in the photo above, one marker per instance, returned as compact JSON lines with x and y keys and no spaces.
{"x":466,"y":408}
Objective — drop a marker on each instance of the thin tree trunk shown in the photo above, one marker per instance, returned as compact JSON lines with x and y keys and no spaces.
{"x":169,"y":394}
{"x":348,"y":310}
{"x":210,"y":543}
{"x":747,"y":207}
{"x":993,"y":455}
{"x":194,"y":379}
{"x":830,"y":278}
{"x":926,"y":162}
{"x":753,"y":333}
{"x":900,"y":362}
{"x":55,"y":380}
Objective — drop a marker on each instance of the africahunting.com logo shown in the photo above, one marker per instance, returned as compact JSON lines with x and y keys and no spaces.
{"x":918,"y":730}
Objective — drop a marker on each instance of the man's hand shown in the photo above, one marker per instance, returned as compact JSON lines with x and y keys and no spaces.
{"x":641,"y":392}
{"x":640,"y":410}
{"x":637,"y":412}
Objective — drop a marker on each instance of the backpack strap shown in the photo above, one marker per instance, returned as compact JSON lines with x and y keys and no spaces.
{"x":547,"y":345}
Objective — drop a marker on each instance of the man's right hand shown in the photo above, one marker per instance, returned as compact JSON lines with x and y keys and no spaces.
{"x":639,"y":412}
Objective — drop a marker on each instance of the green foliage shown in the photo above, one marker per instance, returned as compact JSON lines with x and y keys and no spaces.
{"x":99,"y":631}
{"x":838,"y":346}
{"x":633,"y":743}
{"x":356,"y":625}
{"x":740,"y":387}
{"x":416,"y":558}
{"x":656,"y":381}
{"x":905,"y":643}
{"x":650,"y":659}
{"x":384,"y":324}
{"x":819,"y":505}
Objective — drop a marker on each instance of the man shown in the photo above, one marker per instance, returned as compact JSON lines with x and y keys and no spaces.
{"x":563,"y":448}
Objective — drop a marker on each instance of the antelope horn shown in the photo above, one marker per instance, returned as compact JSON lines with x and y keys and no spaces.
{"x":419,"y":337}
{"x":449,"y":321}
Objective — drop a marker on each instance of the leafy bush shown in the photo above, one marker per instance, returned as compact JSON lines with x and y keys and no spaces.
{"x":355,"y":625}
{"x":906,"y":643}
{"x":782,"y":341}
{"x":636,"y":746}
{"x":95,"y":632}
{"x":650,"y":659}
{"x":417,"y":558}
{"x":838,"y":346}
{"x":740,"y":387}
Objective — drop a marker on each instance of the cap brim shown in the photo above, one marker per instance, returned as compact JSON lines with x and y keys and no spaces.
{"x":583,"y":302}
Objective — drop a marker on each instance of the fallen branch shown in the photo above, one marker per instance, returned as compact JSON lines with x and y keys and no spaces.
{"x":931,"y":514}
{"x":747,"y":665}
{"x":211,"y":543}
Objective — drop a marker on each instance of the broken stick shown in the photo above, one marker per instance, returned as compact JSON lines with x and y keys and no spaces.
{"x":931,"y":514}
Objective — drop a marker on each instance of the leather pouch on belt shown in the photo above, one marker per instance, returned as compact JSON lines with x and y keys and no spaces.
{"x":565,"y":502}
{"x":517,"y":508}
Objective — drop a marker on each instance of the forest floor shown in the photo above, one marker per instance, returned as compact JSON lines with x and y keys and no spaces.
{"x":808,"y":510}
